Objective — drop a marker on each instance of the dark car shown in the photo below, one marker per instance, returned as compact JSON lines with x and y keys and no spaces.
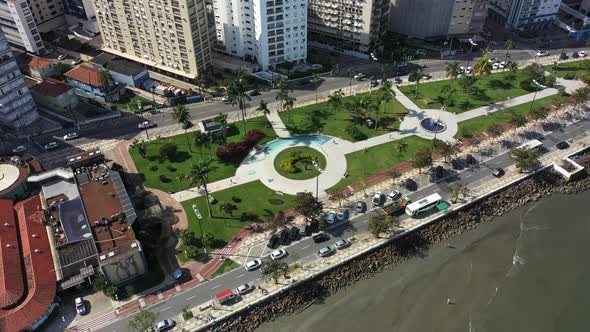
{"x":470,"y":160}
{"x":305,"y":231}
{"x":360,"y":206}
{"x":498,"y":172}
{"x":253,"y":93}
{"x":314,"y":226}
{"x":284,"y":236}
{"x":273,"y":242}
{"x":322,"y":224}
{"x":437,"y":173}
{"x":294,"y":233}
{"x":562,"y":145}
{"x":563,"y":56}
{"x":319,"y":238}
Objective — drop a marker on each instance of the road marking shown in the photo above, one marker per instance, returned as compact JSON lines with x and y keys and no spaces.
{"x":188,"y":299}
{"x":241,"y":275}
{"x":216,"y":286}
{"x":307,"y":246}
{"x":165,"y":309}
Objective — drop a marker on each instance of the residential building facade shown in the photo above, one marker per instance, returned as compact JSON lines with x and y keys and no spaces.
{"x":87,"y":83}
{"x":348,"y":25}
{"x":532,"y":14}
{"x":55,"y":95}
{"x":80,"y":13}
{"x":19,"y":27}
{"x":48,"y":14}
{"x":42,"y":67}
{"x":168,"y":36}
{"x":268,"y":32}
{"x":17,"y":108}
{"x":123,"y":71}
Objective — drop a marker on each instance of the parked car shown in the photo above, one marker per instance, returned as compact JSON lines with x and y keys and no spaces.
{"x":273,"y":242}
{"x":495,"y":66}
{"x":80,"y":305}
{"x":284,"y":236}
{"x":502,"y":65}
{"x":468,"y":70}
{"x":178,"y":274}
{"x":342,"y":215}
{"x":294,"y":233}
{"x":331,"y":217}
{"x":49,"y":51}
{"x":253,"y":265}
{"x":341,"y":244}
{"x":278,"y":254}
{"x":76,"y":62}
{"x":61,"y":57}
{"x":253,"y":93}
{"x":51,"y":145}
{"x":582,"y":54}
{"x":360,"y":206}
{"x":359,"y":76}
{"x":397,"y":80}
{"x":498,"y":172}
{"x":225,"y":100}
{"x":19,"y":149}
{"x":541,"y":53}
{"x":245,"y":288}
{"x":165,"y":325}
{"x":325,"y":251}
{"x":374,"y":83}
{"x":394,"y":195}
{"x":70,"y":136}
{"x":305,"y":231}
{"x":377,"y":198}
{"x":319,"y":238}
{"x":562,"y":145}
{"x":146,"y":125}
{"x":563,"y":56}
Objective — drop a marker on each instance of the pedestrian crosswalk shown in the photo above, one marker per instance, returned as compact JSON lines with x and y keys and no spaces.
{"x":95,"y":324}
{"x":225,"y":251}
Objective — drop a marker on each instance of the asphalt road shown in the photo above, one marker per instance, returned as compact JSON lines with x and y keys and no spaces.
{"x":306,"y":250}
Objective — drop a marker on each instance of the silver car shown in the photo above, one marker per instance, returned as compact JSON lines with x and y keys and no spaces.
{"x":341,"y":244}
{"x":325,"y":251}
{"x":245,"y":288}
{"x":253,"y":265}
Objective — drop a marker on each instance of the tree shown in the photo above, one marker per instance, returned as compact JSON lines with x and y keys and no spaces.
{"x":447,"y":150}
{"x":400,"y":147}
{"x":467,"y":84}
{"x":385,"y":67}
{"x":60,"y":69}
{"x":228,"y":208}
{"x":495,"y":130}
{"x":142,"y":321}
{"x":181,"y":115}
{"x":237,"y":96}
{"x":379,"y":223}
{"x":222,"y":120}
{"x":198,"y":176}
{"x":580,"y":96}
{"x":187,"y":237}
{"x":535,"y":72}
{"x":316,"y":79}
{"x":394,"y":174}
{"x":350,"y":72}
{"x":308,"y":206}
{"x":525,"y":159}
{"x":518,"y":120}
{"x":422,"y":159}
{"x":201,"y":139}
{"x":168,"y":150}
{"x":199,"y":81}
{"x":104,"y":78}
{"x":209,"y":239}
{"x":513,"y":69}
{"x":142,"y":149}
{"x":283,"y":97}
{"x":338,"y":196}
{"x":386,"y":93}
{"x":539,"y":113}
{"x":271,"y":223}
{"x":482,"y":67}
{"x":508,"y":45}
{"x":416,"y":76}
{"x":460,"y":191}
{"x":263,"y":107}
{"x":335,"y":100}
{"x":453,"y":70}
{"x":274,"y":270}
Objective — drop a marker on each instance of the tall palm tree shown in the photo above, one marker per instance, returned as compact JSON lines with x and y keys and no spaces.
{"x":200,"y":139}
{"x":385,"y":69}
{"x":453,"y":71}
{"x":508,"y":45}
{"x":387,"y":92}
{"x":198,"y":176}
{"x":350,"y":73}
{"x":401,"y":146}
{"x":316,"y":80}
{"x":482,"y":67}
{"x":417,"y":76}
{"x":105,"y":78}
{"x":181,"y":115}
{"x":335,"y":100}
{"x":263,"y":107}
{"x":222,"y":120}
{"x":236,"y":93}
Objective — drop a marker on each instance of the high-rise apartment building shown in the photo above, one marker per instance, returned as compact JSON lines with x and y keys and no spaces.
{"x":437,"y":18}
{"x":532,"y":14}
{"x":81,"y":13}
{"x":19,"y":27}
{"x":268,"y":32}
{"x":17,"y":108}
{"x":166,"y":35}
{"x":347,"y":25}
{"x":48,"y":14}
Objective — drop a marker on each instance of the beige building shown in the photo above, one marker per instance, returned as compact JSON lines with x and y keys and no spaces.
{"x":169,"y":36}
{"x":56,"y":95}
{"x":347,"y":25}
{"x":48,"y":14}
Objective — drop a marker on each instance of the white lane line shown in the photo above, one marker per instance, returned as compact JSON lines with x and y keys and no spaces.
{"x":241,"y":275}
{"x":307,"y":246}
{"x":165,"y":309}
{"x":188,"y":298}
{"x":216,"y":286}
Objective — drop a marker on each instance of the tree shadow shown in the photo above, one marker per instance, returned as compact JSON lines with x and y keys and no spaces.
{"x":387,"y":121}
{"x":497,"y":84}
{"x":181,"y":156}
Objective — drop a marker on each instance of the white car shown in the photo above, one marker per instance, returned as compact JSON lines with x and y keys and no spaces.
{"x":468,"y":70}
{"x":462,"y":69}
{"x":394,"y":195}
{"x":377,"y":198}
{"x":542,"y":53}
{"x":342,"y":215}
{"x":146,"y":125}
{"x":164,"y":325}
{"x":80,"y":305}
{"x":502,"y":65}
{"x":331,"y":217}
{"x":19,"y":149}
{"x":278,"y":254}
{"x":495,"y":66}
{"x":341,"y":244}
{"x":582,"y":54}
{"x":50,"y":145}
{"x":359,"y":76}
{"x":70,"y":136}
{"x":253,"y":265}
{"x":325,"y":251}
{"x":76,"y":61}
{"x":245,"y":288}
{"x":61,"y":57}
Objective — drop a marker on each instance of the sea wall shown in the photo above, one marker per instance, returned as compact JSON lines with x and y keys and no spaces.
{"x":414,"y":244}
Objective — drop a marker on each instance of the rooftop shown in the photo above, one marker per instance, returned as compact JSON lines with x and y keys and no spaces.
{"x":117,"y":64}
{"x":52,"y":88}
{"x":13,"y":172}
{"x":84,"y":74}
{"x":41,"y":63}
{"x":11,"y":275}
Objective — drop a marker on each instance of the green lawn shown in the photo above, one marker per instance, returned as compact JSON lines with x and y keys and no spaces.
{"x":578,"y":68}
{"x":226,"y":266}
{"x":374,"y":160}
{"x":319,"y":117}
{"x":477,"y":125}
{"x":252,"y":198}
{"x":302,"y":171}
{"x":490,"y":89}
{"x":151,"y":168}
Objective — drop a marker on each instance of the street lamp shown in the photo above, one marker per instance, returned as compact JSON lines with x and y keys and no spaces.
{"x":433,"y":124}
{"x":317,"y":180}
{"x":535,"y":95}
{"x":199,"y":217}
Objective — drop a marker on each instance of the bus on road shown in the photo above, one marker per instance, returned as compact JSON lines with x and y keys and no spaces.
{"x":534,"y":144}
{"x":423,"y":204}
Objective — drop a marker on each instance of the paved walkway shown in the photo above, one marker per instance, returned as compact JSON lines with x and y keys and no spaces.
{"x":277,"y":124}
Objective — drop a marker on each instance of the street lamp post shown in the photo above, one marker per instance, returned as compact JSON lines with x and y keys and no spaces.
{"x":317,"y":182}
{"x":442,"y":109}
{"x":535,"y":95}
{"x":199,"y":217}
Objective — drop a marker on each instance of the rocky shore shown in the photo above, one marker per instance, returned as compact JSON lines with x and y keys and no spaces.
{"x":416,"y":243}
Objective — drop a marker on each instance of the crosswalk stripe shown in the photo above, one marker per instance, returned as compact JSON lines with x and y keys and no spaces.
{"x":97,"y":323}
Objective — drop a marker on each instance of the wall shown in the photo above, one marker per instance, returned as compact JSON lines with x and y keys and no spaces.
{"x":421,"y":18}
{"x":65,"y":102}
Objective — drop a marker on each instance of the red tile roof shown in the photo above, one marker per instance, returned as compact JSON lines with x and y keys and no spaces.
{"x":11,"y":274}
{"x":40,"y":63}
{"x":38,"y":263}
{"x":52,"y":88}
{"x":84,"y":74}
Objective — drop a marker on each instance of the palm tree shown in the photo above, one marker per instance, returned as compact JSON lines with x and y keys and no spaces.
{"x":350,"y":73}
{"x":508,"y":45}
{"x":105,"y":78}
{"x":580,"y":96}
{"x":482,"y":67}
{"x":236,"y":93}
{"x":200,"y":139}
{"x":263,"y":107}
{"x":315,"y":77}
{"x":335,"y":100}
{"x":181,"y":115}
{"x":417,"y":77}
{"x":198,"y":176}
{"x":222,"y":120}
{"x":387,"y":92}
{"x":385,"y":69}
{"x":401,"y":146}
{"x":453,"y":70}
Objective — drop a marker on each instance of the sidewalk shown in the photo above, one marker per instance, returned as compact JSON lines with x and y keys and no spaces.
{"x":277,"y":124}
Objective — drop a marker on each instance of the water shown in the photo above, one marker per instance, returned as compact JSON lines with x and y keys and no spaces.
{"x":526,"y":271}
{"x":279,"y":145}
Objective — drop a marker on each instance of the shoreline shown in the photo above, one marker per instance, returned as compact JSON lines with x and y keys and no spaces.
{"x":411,"y":245}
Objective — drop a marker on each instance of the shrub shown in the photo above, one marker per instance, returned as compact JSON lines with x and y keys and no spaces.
{"x":570,"y":76}
{"x":356,"y":134}
{"x":550,"y":81}
{"x":238,"y":150}
{"x":171,"y":168}
{"x":236,"y":199}
{"x":586,"y":79}
{"x":288,"y":166}
{"x":562,"y":92}
{"x":248,"y":216}
{"x":168,"y":151}
{"x":254,"y":136}
{"x":154,"y":168}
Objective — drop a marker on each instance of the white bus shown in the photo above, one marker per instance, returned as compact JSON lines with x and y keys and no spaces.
{"x":424,"y":204}
{"x":532,"y":144}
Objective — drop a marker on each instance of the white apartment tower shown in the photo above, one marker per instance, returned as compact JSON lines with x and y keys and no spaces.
{"x":268,"y":32}
{"x":18,"y":25}
{"x":167,"y":35}
{"x":17,"y":108}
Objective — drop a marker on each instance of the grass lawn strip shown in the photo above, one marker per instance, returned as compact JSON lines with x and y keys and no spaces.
{"x":151,"y":168}
{"x":579,"y":68}
{"x":303,"y":171}
{"x":490,"y":89}
{"x":319,"y":117}
{"x":480,"y":124}
{"x":253,"y":198}
{"x":226,"y":266}
{"x":379,"y":158}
